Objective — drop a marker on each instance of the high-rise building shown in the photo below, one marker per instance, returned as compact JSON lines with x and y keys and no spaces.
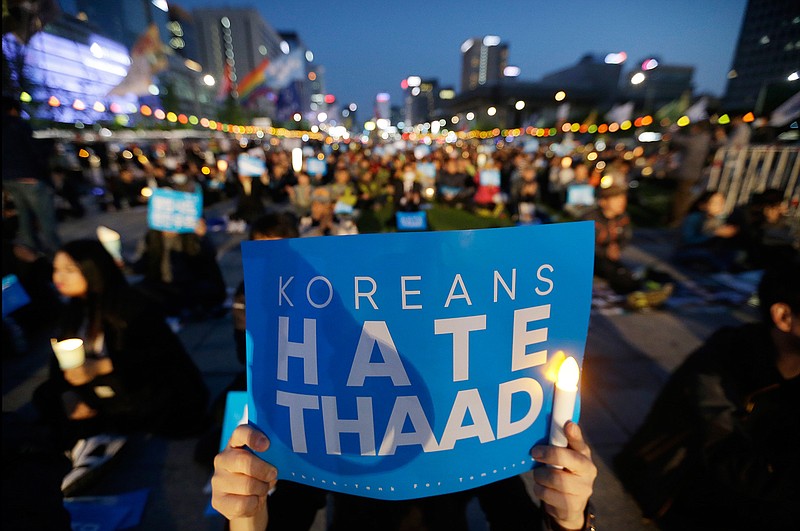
{"x":592,"y":72}
{"x":421,"y":99}
{"x":483,"y":61}
{"x":767,"y":53}
{"x":238,"y":37}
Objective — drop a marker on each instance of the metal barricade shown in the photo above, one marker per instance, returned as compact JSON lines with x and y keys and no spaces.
{"x":738,"y":173}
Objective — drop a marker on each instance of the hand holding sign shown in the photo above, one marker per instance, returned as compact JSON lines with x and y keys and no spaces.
{"x":241,"y":480}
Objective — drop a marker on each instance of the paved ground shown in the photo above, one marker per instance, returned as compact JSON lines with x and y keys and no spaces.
{"x":628,"y":358}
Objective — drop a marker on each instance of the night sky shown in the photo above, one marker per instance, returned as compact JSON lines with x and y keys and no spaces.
{"x":371,"y":46}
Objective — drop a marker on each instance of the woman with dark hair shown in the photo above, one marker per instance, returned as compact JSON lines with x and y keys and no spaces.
{"x":137,"y":376}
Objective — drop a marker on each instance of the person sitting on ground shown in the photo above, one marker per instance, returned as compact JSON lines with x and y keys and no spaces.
{"x":774,"y":238}
{"x":242,"y":481}
{"x":455,"y":187}
{"x":342,"y":189}
{"x":323,"y":221}
{"x":719,"y":448}
{"x":181,"y":272}
{"x":525,"y":203}
{"x":300,"y":194}
{"x":706,"y":238}
{"x":137,"y":376}
{"x":613,"y":232}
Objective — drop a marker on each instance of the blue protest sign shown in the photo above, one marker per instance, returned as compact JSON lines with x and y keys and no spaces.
{"x":412,"y":221}
{"x":407,"y":365}
{"x":489,"y":177}
{"x":250,"y":166}
{"x":426,"y":169}
{"x":316,"y":167}
{"x":14,"y":295}
{"x":174,"y":211}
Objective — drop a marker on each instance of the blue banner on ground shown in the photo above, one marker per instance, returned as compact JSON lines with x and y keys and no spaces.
{"x":407,"y":365}
{"x":14,"y":295}
{"x":412,"y":221}
{"x":174,"y":211}
{"x":107,"y":513}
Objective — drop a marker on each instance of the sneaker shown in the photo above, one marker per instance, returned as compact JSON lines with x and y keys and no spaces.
{"x":89,"y":458}
{"x":652,"y":298}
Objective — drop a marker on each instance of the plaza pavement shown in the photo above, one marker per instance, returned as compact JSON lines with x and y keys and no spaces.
{"x":627,"y":360}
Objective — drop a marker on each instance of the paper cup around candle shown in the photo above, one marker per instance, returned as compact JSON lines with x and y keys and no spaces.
{"x":111,"y":241}
{"x":69,"y":352}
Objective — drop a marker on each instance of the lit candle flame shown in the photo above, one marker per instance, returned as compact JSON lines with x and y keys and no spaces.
{"x":568,"y":375}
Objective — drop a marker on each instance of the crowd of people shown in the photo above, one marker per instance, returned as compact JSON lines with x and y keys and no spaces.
{"x":137,"y":376}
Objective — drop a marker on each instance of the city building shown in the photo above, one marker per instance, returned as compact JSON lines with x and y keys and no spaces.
{"x":233,"y":42}
{"x":593,"y":72}
{"x":653,"y":84}
{"x":483,"y":61}
{"x":421,"y":99}
{"x":179,"y":85}
{"x":767,"y":54}
{"x":297,"y":96}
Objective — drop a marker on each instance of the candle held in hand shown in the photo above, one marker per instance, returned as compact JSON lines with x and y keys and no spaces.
{"x":564,"y":400}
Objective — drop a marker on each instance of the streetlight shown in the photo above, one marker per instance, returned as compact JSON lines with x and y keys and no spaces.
{"x":519,"y":105}
{"x":491,"y":111}
{"x":638,"y":78}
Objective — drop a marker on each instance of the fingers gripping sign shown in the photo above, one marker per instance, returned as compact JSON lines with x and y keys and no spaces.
{"x":566,"y":485}
{"x":242,"y":480}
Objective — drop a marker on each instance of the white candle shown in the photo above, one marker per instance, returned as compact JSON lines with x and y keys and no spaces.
{"x":564,"y":400}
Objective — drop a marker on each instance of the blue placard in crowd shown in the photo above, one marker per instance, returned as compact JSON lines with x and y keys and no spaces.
{"x":250,"y":166}
{"x":426,"y":169}
{"x":412,"y":220}
{"x":407,"y":365}
{"x":174,"y":211}
{"x":580,"y":194}
{"x":489,"y":177}
{"x":316,"y":167}
{"x":14,"y":295}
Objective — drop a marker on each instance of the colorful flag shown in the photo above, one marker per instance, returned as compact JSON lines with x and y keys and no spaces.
{"x":620,"y":113}
{"x":698,"y":111}
{"x":225,"y":85}
{"x":786,"y":112}
{"x":148,"y":57}
{"x":253,"y":80}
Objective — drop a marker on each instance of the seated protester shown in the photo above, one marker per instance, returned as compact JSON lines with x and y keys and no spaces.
{"x":774,"y":239}
{"x":241,"y":482}
{"x":370,"y":191}
{"x":719,"y":447}
{"x":251,"y":194}
{"x":613,"y":232}
{"x":281,"y":179}
{"x":454,"y":187}
{"x":300,"y":195}
{"x":525,"y":204}
{"x":342,"y":189}
{"x":488,"y":194}
{"x":137,"y":376}
{"x":707,"y":240}
{"x":323,"y":221}
{"x":407,"y":190}
{"x":181,"y":272}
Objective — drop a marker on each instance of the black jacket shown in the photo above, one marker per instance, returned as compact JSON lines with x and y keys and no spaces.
{"x":720,"y":448}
